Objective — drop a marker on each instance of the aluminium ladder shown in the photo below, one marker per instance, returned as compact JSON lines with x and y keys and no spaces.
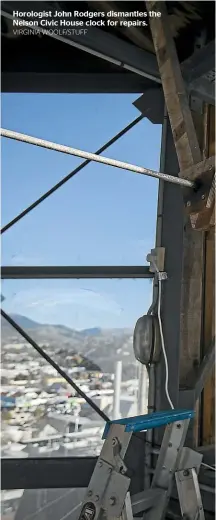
{"x":107,"y":496}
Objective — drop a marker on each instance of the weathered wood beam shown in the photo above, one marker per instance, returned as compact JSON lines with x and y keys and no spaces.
{"x":194,"y":172}
{"x":176,"y":98}
{"x":208,"y":401}
{"x":211,"y":149}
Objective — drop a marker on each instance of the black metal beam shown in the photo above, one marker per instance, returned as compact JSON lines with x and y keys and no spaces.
{"x":151,"y":104}
{"x":68,"y":472}
{"x":200,"y":63}
{"x":72,"y":83}
{"x":127,"y":56}
{"x":170,"y":237}
{"x":108,"y":45}
{"x":45,"y":473}
{"x":204,"y":90}
{"x":74,"y":272}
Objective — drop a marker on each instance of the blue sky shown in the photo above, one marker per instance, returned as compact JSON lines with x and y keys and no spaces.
{"x":103,"y":216}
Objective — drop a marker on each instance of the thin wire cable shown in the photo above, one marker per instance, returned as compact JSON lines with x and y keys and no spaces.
{"x":17,"y":136}
{"x":48,"y":504}
{"x":71,"y":511}
{"x":54,"y":365}
{"x":162,"y":337}
{"x":69,"y":176}
{"x":208,"y":466}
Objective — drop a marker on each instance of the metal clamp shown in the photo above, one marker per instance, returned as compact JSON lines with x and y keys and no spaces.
{"x":119,"y":463}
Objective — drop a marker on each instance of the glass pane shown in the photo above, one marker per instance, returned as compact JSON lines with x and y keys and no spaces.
{"x":87,"y":328}
{"x":103,"y":215}
{"x":41,"y":504}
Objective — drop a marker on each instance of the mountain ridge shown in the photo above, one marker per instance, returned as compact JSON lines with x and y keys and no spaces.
{"x":28,"y":323}
{"x":103,"y":347}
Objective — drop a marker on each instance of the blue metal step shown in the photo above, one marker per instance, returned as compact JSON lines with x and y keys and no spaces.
{"x":149,"y":421}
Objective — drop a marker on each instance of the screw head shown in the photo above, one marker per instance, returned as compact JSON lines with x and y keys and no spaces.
{"x":97,"y":498}
{"x":203,"y":197}
{"x":186,"y":473}
{"x":188,"y":203}
{"x":178,"y":426}
{"x":100,"y":464}
{"x":89,"y":493}
{"x":112,"y":501}
{"x":114,"y":441}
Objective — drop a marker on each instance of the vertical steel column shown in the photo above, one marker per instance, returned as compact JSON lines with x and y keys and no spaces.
{"x":170,"y":236}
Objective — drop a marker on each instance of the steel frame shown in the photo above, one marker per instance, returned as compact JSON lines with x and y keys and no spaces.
{"x":16,"y":473}
{"x":23,"y":473}
{"x":67,"y":472}
{"x":144,"y":64}
{"x":74,"y":272}
{"x":44,"y":473}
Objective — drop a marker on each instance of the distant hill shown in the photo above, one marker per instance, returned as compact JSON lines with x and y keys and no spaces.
{"x":102,"y":347}
{"x":27,"y":323}
{"x":24,"y":322}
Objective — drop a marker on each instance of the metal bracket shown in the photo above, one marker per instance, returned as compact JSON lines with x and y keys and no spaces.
{"x":189,"y":459}
{"x":189,"y":495}
{"x":119,"y":463}
{"x":156,"y":256}
{"x":196,"y":104}
{"x":199,"y":201}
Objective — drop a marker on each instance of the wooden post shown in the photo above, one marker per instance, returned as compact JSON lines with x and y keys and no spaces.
{"x":176,"y":98}
{"x":208,"y":399}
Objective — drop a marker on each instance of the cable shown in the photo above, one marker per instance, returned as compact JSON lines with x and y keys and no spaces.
{"x":208,"y":466}
{"x":160,"y":278}
{"x":69,"y":176}
{"x":54,"y":365}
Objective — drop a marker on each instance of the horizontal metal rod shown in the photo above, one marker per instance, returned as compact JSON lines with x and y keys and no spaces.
{"x":51,"y":362}
{"x":74,"y":272}
{"x":69,"y":176}
{"x":93,"y":157}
